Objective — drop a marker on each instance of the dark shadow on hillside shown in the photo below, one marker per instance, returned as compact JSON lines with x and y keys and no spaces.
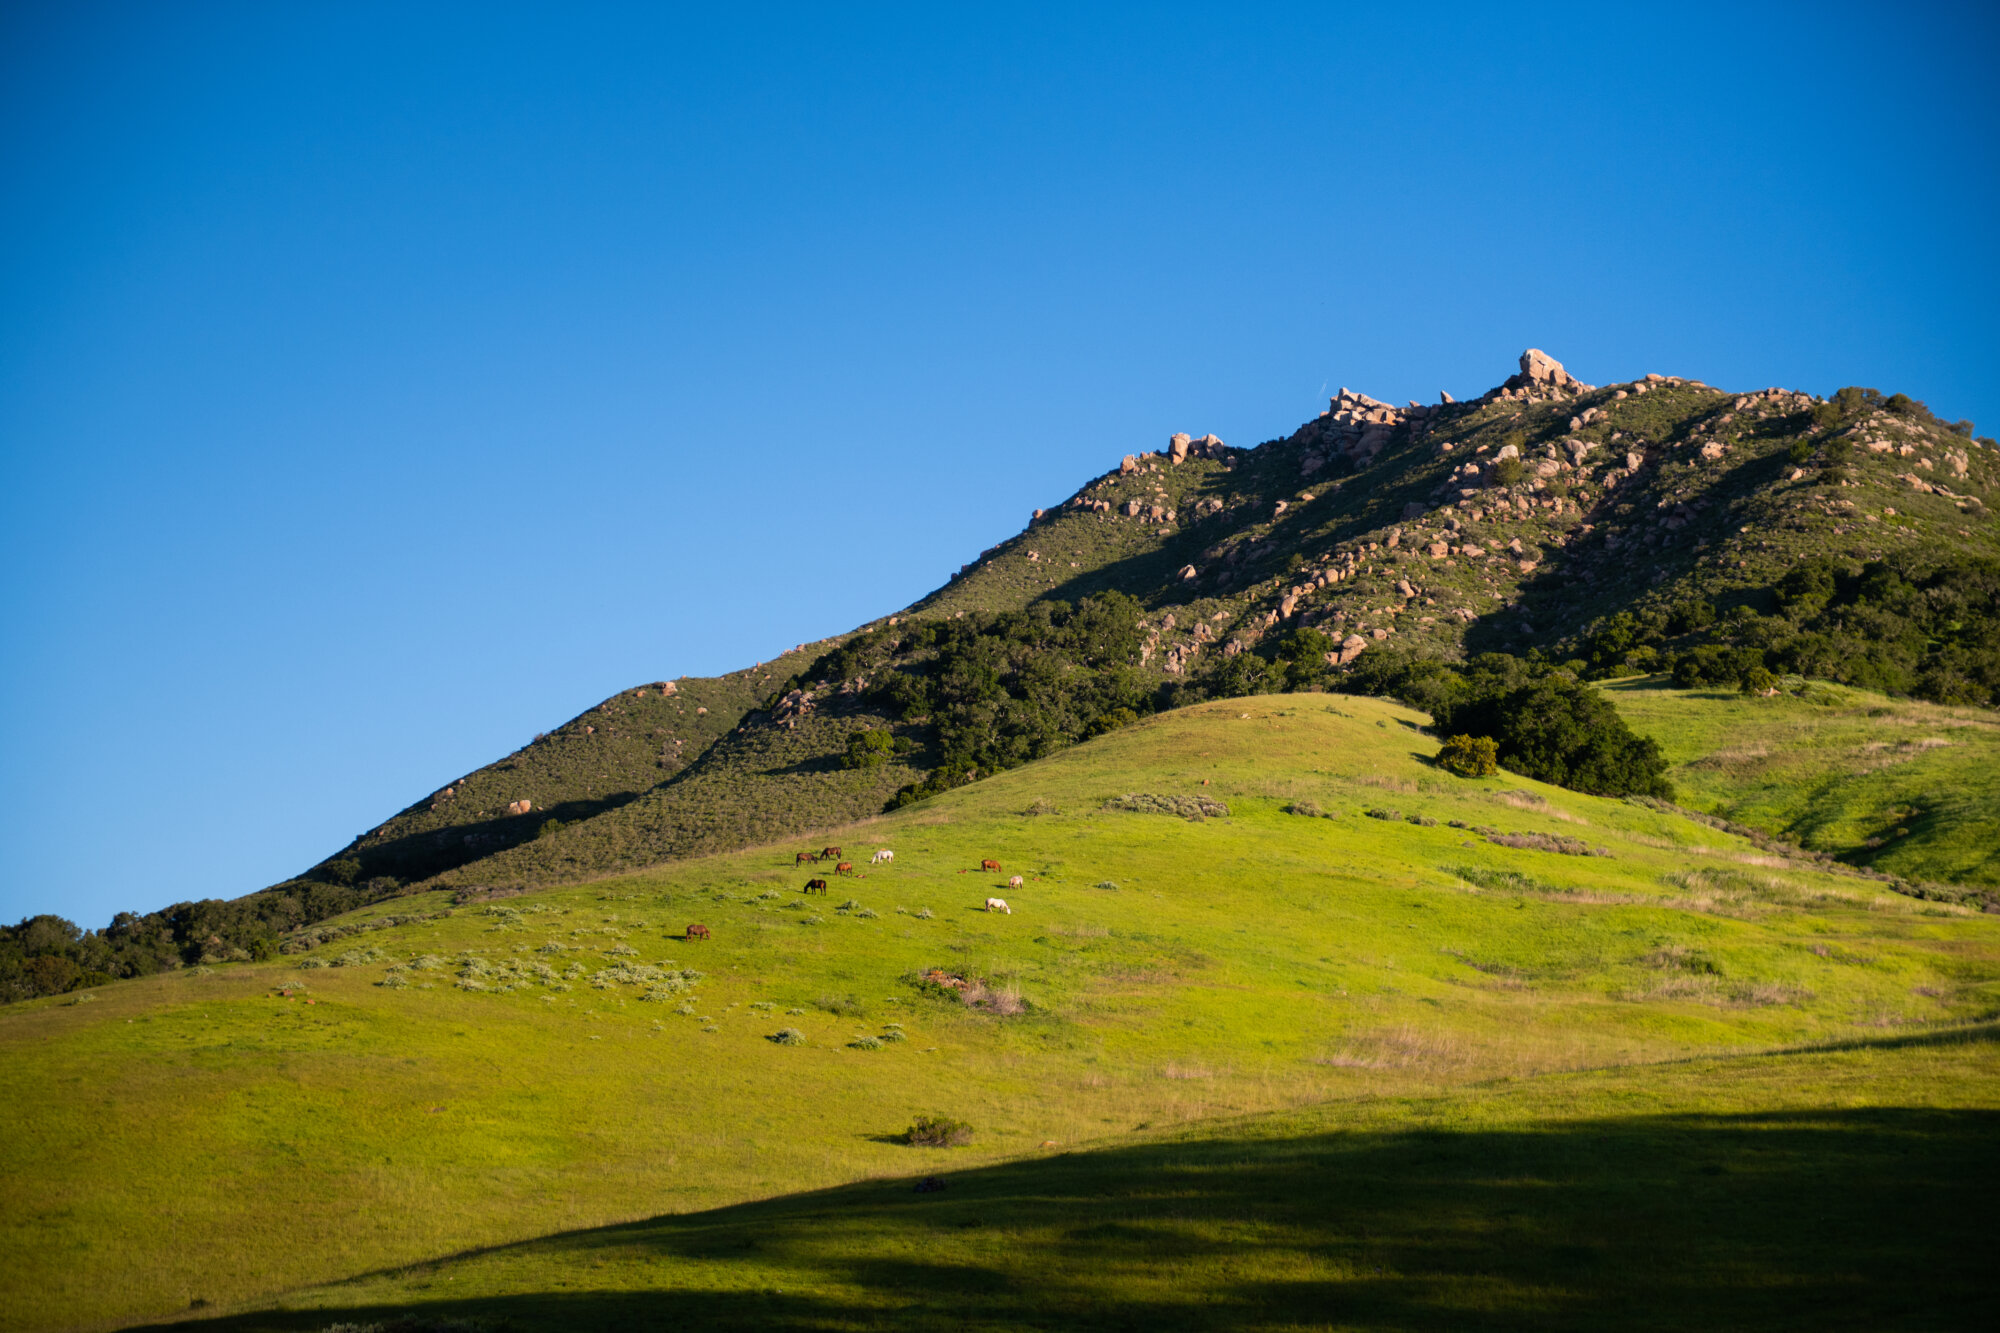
{"x":418,"y":856}
{"x":1872,"y":1218}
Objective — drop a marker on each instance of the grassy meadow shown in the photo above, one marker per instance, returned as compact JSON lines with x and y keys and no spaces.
{"x":1278,"y":1067}
{"x":1898,"y":785}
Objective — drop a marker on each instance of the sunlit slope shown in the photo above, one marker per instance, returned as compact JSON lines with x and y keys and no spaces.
{"x":1901,"y":786}
{"x":1827,"y":1188}
{"x":198,"y":1137}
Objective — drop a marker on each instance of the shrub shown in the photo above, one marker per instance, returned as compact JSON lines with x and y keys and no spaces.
{"x":1470,"y":756}
{"x":937,"y":1131}
{"x":787,"y":1037}
{"x":869,"y":749}
{"x":1191,"y":808}
{"x":1309,"y":809}
{"x":1758,"y":681}
{"x":1508,"y":472}
{"x":1681,"y":958}
{"x":866,"y":1044}
{"x":1110,"y":884}
{"x":1392,"y":816}
{"x":1562,"y":732}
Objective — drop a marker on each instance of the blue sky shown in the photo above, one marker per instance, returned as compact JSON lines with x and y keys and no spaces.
{"x":382,"y":384}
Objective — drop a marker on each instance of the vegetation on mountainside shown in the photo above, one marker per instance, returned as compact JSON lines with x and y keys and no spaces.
{"x":1912,"y":626}
{"x":1657,"y":527}
{"x":1158,"y":979}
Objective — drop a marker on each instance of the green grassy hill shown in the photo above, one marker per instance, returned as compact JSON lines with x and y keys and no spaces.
{"x":1899,"y":786}
{"x":1394,"y":1064}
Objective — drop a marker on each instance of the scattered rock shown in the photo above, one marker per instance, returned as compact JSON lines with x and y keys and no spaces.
{"x":520,"y":807}
{"x":1188,"y":572}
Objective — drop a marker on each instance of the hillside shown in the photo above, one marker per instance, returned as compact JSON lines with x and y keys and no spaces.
{"x":442,"y":1079}
{"x":1654,"y":526}
{"x":1679,"y":507}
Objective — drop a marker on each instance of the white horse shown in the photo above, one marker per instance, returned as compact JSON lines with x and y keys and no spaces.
{"x":884,"y":855}
{"x":1014,"y":883}
{"x":998,"y":905}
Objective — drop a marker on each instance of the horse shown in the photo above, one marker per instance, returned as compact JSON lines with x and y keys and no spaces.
{"x":884,"y":855}
{"x":989,"y":865}
{"x":998,"y":905}
{"x":804,"y":858}
{"x":1014,"y":883}
{"x":696,"y":932}
{"x":814,"y":886}
{"x":844,"y":868}
{"x":829,"y":854}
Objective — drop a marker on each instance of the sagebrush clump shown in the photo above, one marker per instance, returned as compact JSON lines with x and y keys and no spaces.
{"x":937,"y":1131}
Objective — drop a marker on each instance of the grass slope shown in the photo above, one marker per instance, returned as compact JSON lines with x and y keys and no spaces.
{"x":1904,"y":787}
{"x":198,"y":1137}
{"x":1696,"y":1195}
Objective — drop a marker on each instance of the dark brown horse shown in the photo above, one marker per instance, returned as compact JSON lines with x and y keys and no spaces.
{"x":804,"y":858}
{"x":696,"y":933}
{"x":829,"y":854}
{"x":814,"y":886}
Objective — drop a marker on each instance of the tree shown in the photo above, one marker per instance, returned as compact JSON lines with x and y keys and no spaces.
{"x":1562,"y":732}
{"x":1470,"y":756}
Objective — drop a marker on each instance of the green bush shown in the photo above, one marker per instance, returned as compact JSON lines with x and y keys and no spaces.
{"x":1509,"y":472}
{"x":1470,"y":756}
{"x":937,"y":1131}
{"x":1758,"y":681}
{"x":787,"y":1037}
{"x":1563,"y":732}
{"x":869,"y":749}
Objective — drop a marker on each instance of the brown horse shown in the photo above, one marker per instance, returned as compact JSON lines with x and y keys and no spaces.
{"x":829,"y":854}
{"x":696,"y":933}
{"x":989,"y":865}
{"x":814,"y":886}
{"x":844,"y":868}
{"x":804,"y":858}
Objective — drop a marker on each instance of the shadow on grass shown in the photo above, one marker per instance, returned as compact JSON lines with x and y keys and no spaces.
{"x":1864,"y":1218}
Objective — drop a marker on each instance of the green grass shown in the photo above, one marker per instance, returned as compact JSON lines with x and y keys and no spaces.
{"x":197,"y":1137}
{"x":1843,"y":1188}
{"x":1905,"y":787}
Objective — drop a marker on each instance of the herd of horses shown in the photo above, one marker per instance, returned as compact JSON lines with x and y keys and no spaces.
{"x":818,"y":885}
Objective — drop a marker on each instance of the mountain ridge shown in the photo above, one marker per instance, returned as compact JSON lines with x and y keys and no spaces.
{"x":1653,"y":525}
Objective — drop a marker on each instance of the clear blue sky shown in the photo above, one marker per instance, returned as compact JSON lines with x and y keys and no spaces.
{"x":382,"y":384}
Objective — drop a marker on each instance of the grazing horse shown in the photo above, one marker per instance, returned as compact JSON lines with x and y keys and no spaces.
{"x":696,"y":933}
{"x":998,"y":905}
{"x":829,"y":854}
{"x":1014,"y":883}
{"x":884,"y":855}
{"x":844,"y":868}
{"x":804,"y":858}
{"x":814,"y":886}
{"x":989,"y":865}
